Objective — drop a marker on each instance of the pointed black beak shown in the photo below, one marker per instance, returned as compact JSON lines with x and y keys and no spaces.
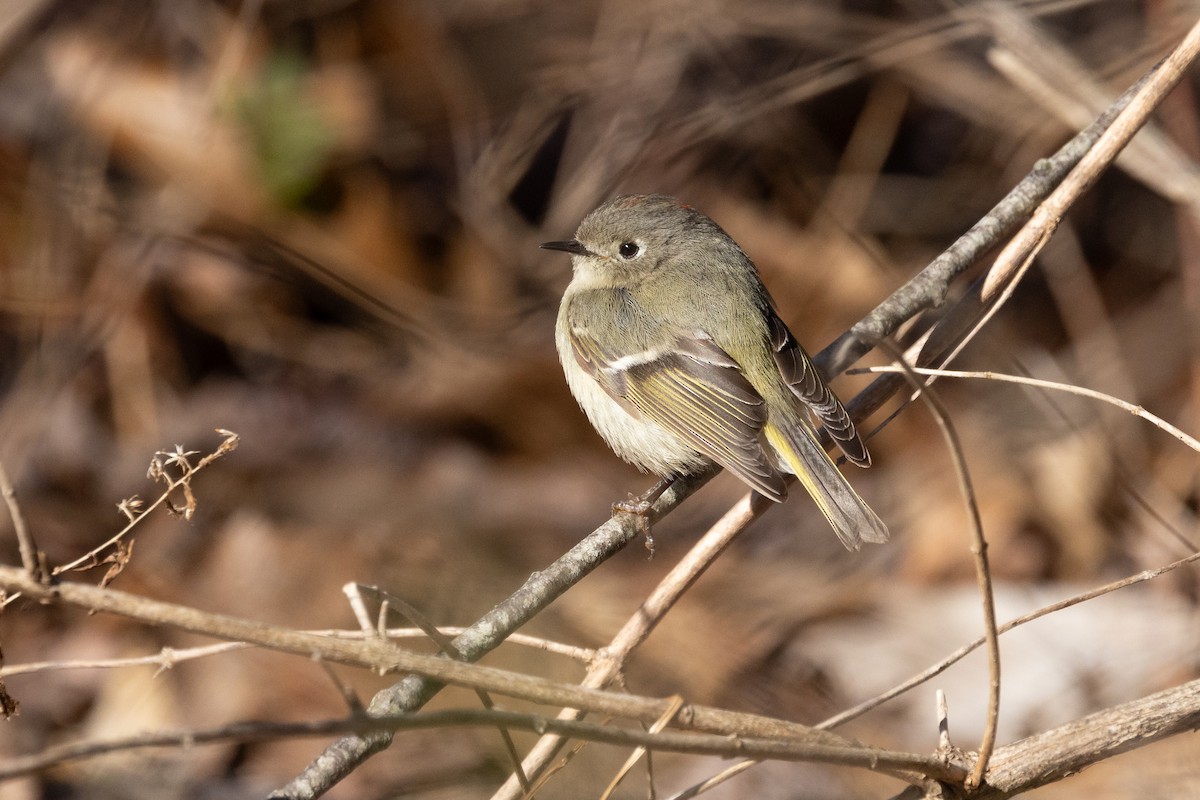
{"x":570,"y":246}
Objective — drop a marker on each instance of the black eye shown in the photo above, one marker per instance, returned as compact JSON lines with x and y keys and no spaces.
{"x":628,"y":250}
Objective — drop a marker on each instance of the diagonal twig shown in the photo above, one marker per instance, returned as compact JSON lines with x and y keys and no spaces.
{"x":610,"y":660}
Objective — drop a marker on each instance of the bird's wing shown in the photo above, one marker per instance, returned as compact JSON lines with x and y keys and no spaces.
{"x":695,"y":390}
{"x":806,"y":383}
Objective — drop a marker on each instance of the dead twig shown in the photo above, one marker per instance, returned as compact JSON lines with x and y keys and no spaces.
{"x":1082,"y":391}
{"x":983,"y":573}
{"x":959,"y":654}
{"x":135,"y":510}
{"x":611,"y":659}
{"x":667,"y":741}
{"x":30,"y":555}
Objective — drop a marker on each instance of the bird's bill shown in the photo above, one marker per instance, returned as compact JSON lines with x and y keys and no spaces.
{"x":569,"y":246}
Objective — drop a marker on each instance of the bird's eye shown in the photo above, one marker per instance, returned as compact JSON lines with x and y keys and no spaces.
{"x":628,"y":250}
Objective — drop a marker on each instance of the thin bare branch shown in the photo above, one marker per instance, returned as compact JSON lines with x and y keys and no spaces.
{"x":444,"y":643}
{"x":611,"y":659}
{"x":962,"y":652}
{"x":983,"y":573}
{"x":668,"y":741}
{"x":25,"y":542}
{"x":1082,"y":391}
{"x":168,"y":657}
{"x":157,"y":471}
{"x":376,"y":654}
{"x":641,"y":750}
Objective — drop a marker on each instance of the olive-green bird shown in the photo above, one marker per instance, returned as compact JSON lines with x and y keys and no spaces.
{"x":673,"y":349}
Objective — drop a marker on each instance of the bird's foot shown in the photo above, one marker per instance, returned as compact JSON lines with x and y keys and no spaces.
{"x":639,"y":508}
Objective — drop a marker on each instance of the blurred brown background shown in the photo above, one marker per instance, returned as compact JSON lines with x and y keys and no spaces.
{"x":315,"y":224}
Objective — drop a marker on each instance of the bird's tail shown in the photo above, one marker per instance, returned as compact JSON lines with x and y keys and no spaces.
{"x":852,"y":519}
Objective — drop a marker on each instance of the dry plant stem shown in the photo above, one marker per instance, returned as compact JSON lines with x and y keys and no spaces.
{"x":168,"y":657}
{"x":983,"y":573}
{"x":376,"y":654}
{"x":729,"y":773}
{"x":165,"y":659}
{"x":228,"y":445}
{"x":965,"y":650}
{"x":671,"y":741}
{"x":1020,"y":766}
{"x":1045,"y":220}
{"x":880,"y":54}
{"x":1135,"y":410}
{"x":1064,"y":87}
{"x":358,"y":607}
{"x":943,"y":720}
{"x":640,"y":751}
{"x":25,"y":543}
{"x":542,"y":587}
{"x":583,"y":654}
{"x":733,"y":733}
{"x":446,"y":646}
{"x":611,"y":660}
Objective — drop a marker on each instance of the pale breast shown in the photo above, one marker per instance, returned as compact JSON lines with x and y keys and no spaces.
{"x":641,"y":442}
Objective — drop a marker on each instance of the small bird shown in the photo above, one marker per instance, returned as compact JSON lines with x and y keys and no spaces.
{"x":672,"y":347}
